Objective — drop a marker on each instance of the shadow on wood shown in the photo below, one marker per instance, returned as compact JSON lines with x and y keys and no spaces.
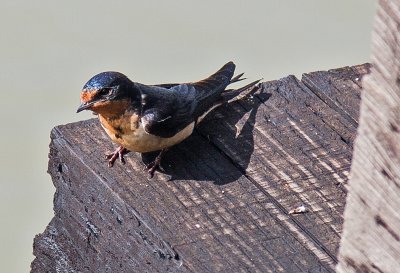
{"x":181,"y":167}
{"x":223,"y":204}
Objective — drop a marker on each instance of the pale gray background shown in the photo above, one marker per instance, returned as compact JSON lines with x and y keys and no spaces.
{"x":49,"y":49}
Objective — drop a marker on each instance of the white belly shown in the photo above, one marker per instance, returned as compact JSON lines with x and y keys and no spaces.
{"x":138,"y":140}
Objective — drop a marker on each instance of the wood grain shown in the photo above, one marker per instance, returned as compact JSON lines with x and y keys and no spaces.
{"x":371,"y":237}
{"x":223,"y":203}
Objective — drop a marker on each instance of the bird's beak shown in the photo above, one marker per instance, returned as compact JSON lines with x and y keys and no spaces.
{"x":85,"y":106}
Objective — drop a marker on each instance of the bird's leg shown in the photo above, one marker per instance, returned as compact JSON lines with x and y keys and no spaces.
{"x":118,"y":153}
{"x":151,"y":168}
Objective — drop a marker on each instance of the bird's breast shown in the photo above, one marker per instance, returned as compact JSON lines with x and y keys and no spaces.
{"x":129,"y":132}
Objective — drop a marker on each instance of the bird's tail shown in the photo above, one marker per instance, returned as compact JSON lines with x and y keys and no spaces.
{"x":233,"y":95}
{"x":237,"y":78}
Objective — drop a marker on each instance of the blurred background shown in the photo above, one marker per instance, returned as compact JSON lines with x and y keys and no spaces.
{"x":49,"y":49}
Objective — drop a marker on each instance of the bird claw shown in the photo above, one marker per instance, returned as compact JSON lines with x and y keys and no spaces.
{"x":118,"y":153}
{"x":152,"y":167}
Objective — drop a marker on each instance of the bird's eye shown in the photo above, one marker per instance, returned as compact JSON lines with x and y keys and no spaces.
{"x":105,"y":91}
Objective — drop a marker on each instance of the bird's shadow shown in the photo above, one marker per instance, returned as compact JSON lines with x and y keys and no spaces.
{"x":220,"y":149}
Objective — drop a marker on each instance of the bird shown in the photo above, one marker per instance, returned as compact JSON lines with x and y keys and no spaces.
{"x":147,"y":118}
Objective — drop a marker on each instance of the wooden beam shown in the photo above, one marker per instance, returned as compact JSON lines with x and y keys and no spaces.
{"x":223,"y":204}
{"x":371,"y":236}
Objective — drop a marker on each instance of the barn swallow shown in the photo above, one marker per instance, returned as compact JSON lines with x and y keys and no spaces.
{"x":146,"y":118}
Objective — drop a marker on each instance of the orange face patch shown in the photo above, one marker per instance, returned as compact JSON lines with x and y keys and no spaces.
{"x":87,"y":96}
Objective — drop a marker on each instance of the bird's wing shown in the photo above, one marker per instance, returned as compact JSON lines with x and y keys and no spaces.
{"x":210,"y":89}
{"x":167,"y":85}
{"x":217,"y":82}
{"x":165,"y":112}
{"x":220,"y":78}
{"x":167,"y":109}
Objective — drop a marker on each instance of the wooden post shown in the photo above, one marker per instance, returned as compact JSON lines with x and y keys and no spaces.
{"x":371,"y":236}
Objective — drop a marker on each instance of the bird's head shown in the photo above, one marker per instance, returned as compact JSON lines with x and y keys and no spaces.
{"x":107,"y":93}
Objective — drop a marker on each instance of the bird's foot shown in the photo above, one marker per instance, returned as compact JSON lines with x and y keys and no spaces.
{"x":152,"y":167}
{"x":118,"y":153}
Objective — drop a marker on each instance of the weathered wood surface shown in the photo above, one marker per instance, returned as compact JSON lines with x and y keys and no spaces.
{"x":223,"y":204}
{"x":371,"y":237}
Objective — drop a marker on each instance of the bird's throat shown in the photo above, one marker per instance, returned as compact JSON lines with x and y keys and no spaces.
{"x":111,"y":109}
